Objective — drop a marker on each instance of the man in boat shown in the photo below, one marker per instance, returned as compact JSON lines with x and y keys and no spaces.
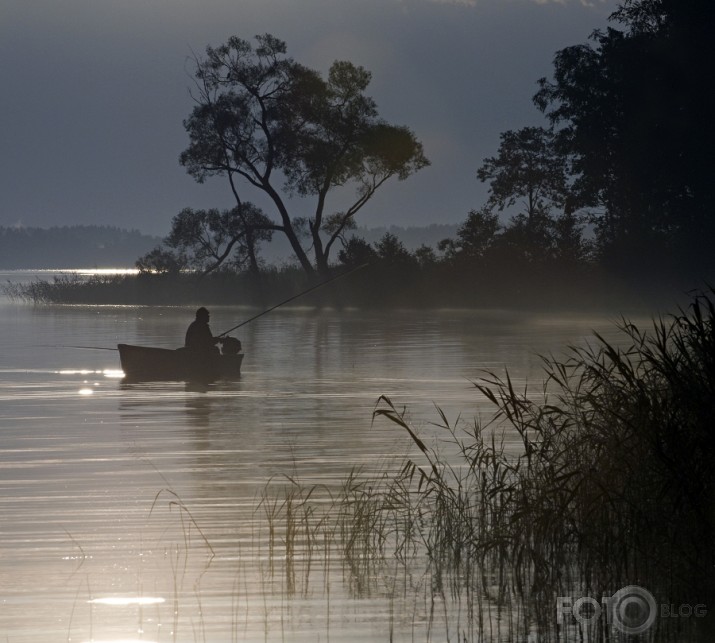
{"x":199,"y":337}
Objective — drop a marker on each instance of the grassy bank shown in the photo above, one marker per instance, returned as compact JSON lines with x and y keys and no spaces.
{"x":159,"y":289}
{"x":375,"y":286}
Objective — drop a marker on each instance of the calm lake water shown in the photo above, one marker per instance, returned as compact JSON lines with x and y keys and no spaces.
{"x":131,"y":512}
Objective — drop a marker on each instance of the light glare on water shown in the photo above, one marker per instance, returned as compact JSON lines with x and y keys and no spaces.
{"x":123,"y":601}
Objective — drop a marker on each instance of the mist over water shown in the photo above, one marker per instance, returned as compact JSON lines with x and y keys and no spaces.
{"x":131,"y":511}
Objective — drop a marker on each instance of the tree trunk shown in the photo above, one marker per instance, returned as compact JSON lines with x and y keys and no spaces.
{"x":289,"y":231}
{"x":321,"y":257}
{"x":251,"y":247}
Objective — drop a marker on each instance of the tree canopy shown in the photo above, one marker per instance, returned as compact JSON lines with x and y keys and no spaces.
{"x":530,"y":167}
{"x":635,"y":113}
{"x":272,"y":125}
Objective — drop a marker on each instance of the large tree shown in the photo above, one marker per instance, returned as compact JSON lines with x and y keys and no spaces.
{"x":269,"y":124}
{"x":205,"y":240}
{"x":636,"y":112}
{"x":530,"y":177}
{"x":529,"y":171}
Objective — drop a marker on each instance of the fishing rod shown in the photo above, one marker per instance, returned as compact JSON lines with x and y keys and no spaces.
{"x":294,"y":297}
{"x":88,"y":348}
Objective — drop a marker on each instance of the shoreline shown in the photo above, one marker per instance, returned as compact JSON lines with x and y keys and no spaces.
{"x":122,"y":287}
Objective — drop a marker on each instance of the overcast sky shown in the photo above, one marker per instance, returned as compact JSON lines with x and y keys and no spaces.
{"x":95,"y":91}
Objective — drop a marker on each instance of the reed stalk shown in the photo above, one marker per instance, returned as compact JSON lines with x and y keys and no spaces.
{"x":612,"y":485}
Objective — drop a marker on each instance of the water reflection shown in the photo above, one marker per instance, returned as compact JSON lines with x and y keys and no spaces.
{"x":120,"y":641}
{"x":123,"y":601}
{"x":90,"y":477}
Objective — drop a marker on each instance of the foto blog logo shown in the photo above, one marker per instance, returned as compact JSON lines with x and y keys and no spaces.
{"x":631,"y":610}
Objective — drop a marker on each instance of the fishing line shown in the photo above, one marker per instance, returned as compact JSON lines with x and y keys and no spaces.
{"x":88,"y":348}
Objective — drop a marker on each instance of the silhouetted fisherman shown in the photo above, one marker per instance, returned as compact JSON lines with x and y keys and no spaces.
{"x":198,"y":336}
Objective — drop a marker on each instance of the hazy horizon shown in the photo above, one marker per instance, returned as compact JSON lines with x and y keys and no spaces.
{"x":85,"y":246}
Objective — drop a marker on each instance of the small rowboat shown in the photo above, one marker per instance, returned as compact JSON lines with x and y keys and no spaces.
{"x":145,"y":363}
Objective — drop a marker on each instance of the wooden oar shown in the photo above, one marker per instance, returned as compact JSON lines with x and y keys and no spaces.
{"x":294,"y":297}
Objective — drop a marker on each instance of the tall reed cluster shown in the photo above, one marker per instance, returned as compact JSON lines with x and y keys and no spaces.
{"x":610,"y":483}
{"x":613,"y":484}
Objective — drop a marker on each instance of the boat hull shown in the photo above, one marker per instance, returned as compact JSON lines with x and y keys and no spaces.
{"x":145,"y":363}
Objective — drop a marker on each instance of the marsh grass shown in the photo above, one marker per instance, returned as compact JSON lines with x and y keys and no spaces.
{"x":222,"y":287}
{"x":41,"y":291}
{"x":382,"y":285}
{"x":611,"y":485}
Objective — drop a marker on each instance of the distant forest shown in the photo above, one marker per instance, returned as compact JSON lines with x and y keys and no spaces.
{"x":81,"y":246}
{"x":90,"y":246}
{"x":278,"y":251}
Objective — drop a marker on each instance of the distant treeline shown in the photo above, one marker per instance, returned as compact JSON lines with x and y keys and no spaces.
{"x":80,"y":246}
{"x":89,"y":246}
{"x":279,"y":252}
{"x":412,"y":237}
{"x":385,"y":275}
